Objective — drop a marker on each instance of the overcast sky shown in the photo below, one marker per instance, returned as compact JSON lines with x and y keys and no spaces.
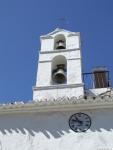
{"x":23,"y":21}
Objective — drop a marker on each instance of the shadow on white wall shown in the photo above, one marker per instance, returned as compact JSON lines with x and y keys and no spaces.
{"x":52,"y":124}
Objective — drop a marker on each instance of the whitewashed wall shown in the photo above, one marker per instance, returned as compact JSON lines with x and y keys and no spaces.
{"x":51,"y":131}
{"x":57,"y":92}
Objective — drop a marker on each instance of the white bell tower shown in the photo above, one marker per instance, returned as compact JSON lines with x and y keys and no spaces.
{"x":59,"y":67}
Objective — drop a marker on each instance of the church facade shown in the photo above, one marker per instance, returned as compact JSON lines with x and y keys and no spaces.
{"x":64,"y":114}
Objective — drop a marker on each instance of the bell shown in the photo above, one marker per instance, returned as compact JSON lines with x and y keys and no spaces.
{"x":59,"y":75}
{"x":60,"y":45}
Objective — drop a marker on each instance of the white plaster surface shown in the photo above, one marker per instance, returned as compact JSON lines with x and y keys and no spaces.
{"x":99,"y":91}
{"x":73,"y":42}
{"x":57,"y":92}
{"x":72,"y":54}
{"x":44,"y":74}
{"x":74,"y":73}
{"x":50,"y":131}
{"x":47,"y":44}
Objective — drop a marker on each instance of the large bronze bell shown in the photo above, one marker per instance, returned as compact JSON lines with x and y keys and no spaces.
{"x":60,"y":44}
{"x":59,"y":74}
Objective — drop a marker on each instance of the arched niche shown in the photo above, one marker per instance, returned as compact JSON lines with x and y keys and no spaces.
{"x":60,"y":42}
{"x":59,"y":70}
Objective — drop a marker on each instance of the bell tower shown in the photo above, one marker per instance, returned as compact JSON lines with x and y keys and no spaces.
{"x":59,"y":66}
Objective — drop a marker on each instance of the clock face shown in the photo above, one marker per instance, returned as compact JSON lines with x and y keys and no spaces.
{"x":80,"y":122}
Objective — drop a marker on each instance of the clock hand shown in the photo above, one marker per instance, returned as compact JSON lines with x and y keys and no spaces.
{"x":79,"y":121}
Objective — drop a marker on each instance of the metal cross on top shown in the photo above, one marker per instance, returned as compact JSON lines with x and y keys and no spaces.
{"x":62,"y":22}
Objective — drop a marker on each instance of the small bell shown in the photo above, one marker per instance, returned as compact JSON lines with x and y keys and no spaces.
{"x":60,"y":44}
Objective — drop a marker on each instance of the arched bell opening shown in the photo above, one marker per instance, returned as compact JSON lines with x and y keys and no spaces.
{"x":59,"y":70}
{"x":60,"y":42}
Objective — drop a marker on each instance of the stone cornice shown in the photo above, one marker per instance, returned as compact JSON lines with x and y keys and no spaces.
{"x":61,"y":86}
{"x":59,"y":51}
{"x":58,"y":105}
{"x":47,"y":61}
